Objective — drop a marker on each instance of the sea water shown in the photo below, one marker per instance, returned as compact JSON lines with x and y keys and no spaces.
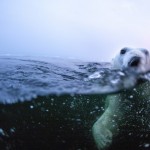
{"x":52,"y":103}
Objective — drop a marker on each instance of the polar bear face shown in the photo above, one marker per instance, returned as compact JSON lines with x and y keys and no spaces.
{"x":138,"y":59}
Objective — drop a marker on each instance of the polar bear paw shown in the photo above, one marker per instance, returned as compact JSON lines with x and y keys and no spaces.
{"x":102,"y":137}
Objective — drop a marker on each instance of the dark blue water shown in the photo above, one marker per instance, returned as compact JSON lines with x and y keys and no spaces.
{"x":51,"y":103}
{"x":24,"y":79}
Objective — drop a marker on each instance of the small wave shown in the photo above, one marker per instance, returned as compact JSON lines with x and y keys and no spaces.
{"x":24,"y":79}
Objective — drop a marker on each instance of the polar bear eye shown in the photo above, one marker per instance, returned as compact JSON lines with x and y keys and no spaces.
{"x":123,"y":51}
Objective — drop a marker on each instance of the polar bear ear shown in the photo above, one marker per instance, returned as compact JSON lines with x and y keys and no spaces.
{"x":146,"y":52}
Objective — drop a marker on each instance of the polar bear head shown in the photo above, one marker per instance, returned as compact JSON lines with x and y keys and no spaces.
{"x":136,"y":58}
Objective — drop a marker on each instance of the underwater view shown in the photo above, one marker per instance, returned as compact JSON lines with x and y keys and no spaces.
{"x":52,"y":104}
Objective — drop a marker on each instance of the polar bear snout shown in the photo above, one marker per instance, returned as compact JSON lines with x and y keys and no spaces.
{"x":134,"y":62}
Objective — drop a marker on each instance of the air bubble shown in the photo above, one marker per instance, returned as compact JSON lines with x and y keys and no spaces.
{"x":31,"y":106}
{"x":146,"y":145}
{"x":96,"y":107}
{"x":2,"y":132}
{"x":131,"y":96}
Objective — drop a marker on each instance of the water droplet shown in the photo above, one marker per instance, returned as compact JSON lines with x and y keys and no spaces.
{"x":115,"y":81}
{"x":2,"y":132}
{"x":78,"y":120}
{"x":12,"y":130}
{"x":146,"y":145}
{"x":131,"y":96}
{"x":31,"y":106}
{"x":95,"y":75}
{"x":121,"y":73}
{"x":96,"y":107}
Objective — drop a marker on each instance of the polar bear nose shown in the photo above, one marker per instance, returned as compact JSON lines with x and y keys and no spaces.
{"x":134,"y":62}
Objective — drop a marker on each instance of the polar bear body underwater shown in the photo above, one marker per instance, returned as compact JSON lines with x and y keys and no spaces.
{"x":125,"y":108}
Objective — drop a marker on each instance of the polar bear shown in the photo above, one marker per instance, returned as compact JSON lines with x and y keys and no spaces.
{"x":123,"y":106}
